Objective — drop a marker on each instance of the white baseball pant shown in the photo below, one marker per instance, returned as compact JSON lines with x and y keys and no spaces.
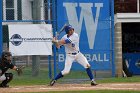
{"x":79,"y":57}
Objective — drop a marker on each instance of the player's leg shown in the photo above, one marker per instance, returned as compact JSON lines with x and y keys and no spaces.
{"x":81,"y":59}
{"x":2,"y":78}
{"x":66,"y":70}
{"x":7,"y":77}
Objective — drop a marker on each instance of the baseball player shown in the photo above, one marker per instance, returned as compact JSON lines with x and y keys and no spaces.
{"x":71,"y":42}
{"x":5,"y":64}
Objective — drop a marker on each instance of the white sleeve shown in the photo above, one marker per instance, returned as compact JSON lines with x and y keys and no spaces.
{"x":63,"y":37}
{"x":75,"y":38}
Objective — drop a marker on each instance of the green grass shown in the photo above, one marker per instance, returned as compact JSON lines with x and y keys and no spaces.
{"x":120,"y":80}
{"x":27,"y":79}
{"x":43,"y":79}
{"x":92,"y":91}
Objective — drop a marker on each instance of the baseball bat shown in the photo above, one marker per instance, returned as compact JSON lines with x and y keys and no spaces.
{"x":61,"y":30}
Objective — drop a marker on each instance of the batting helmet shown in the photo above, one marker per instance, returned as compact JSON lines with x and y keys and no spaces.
{"x":5,"y":55}
{"x":68,"y":28}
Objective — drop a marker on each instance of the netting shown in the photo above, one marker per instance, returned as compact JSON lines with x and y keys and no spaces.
{"x":78,"y":15}
{"x":28,"y":12}
{"x":40,"y":69}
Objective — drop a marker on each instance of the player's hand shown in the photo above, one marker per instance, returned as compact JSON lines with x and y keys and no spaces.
{"x":19,"y":70}
{"x":54,"y":40}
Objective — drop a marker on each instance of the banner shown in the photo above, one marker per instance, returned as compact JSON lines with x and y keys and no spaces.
{"x":31,"y":39}
{"x":91,"y":19}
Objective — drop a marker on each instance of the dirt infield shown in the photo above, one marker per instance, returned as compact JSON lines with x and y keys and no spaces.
{"x":72,"y":87}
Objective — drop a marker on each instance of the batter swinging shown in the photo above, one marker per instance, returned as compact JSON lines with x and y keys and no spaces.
{"x":71,"y":42}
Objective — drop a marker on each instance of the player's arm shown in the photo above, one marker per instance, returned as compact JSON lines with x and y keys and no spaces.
{"x":14,"y":68}
{"x":58,"y":43}
{"x":18,"y":69}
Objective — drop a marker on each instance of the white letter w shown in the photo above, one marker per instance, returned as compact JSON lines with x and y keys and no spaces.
{"x":86,"y":15}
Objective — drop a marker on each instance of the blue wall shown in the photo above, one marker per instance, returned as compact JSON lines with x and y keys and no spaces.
{"x":91,"y":19}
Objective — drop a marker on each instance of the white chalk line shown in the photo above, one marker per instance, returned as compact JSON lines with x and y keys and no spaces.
{"x":70,"y":88}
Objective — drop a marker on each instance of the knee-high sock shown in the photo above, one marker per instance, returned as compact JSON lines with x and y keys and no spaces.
{"x":58,"y":76}
{"x":88,"y":70}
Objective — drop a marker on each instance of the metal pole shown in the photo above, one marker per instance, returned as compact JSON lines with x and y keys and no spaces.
{"x":138,"y":6}
{"x":49,"y":11}
{"x":112,"y":30}
{"x":1,"y":43}
{"x":54,"y":30}
{"x":49,"y":57}
{"x":37,"y":11}
{"x":36,"y":16}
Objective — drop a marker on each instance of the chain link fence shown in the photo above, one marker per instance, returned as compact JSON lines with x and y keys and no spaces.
{"x":36,"y":12}
{"x":28,"y":12}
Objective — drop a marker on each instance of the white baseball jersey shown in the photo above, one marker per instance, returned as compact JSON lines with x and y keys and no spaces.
{"x":72,"y":43}
{"x":73,"y":53}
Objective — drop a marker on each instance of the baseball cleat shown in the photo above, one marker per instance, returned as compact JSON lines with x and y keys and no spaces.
{"x":4,"y":86}
{"x":93,"y":83}
{"x":52,"y":82}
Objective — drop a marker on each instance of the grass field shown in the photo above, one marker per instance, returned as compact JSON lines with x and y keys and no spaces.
{"x":42,"y":79}
{"x":27,"y":79}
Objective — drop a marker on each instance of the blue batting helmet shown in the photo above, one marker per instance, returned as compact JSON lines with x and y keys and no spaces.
{"x":68,"y":28}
